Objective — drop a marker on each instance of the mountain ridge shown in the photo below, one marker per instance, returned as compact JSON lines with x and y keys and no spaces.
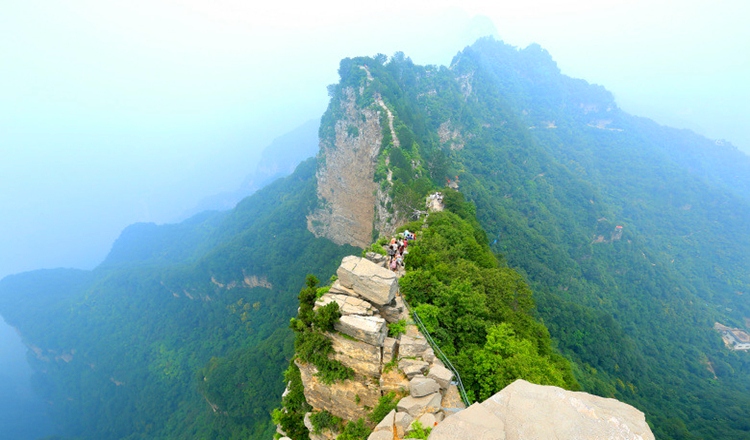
{"x":547,"y":173}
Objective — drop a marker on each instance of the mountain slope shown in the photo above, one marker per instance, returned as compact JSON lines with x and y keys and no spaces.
{"x":633,"y":251}
{"x":120,"y":347}
{"x":632,"y":237}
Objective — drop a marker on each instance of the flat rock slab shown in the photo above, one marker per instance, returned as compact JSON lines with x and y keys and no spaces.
{"x":476,"y":423}
{"x":413,"y":368}
{"x":370,"y":281}
{"x":524,"y":411}
{"x":348,"y":305}
{"x":370,"y":329}
{"x":541,"y":412}
{"x":416,"y":406}
{"x":422,"y":386}
{"x":381,"y":435}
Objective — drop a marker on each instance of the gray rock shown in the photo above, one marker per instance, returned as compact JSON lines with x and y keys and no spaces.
{"x":416,"y":406}
{"x":369,"y":329}
{"x":403,"y":419}
{"x":422,"y":386}
{"x":376,"y":258}
{"x":439,"y":416}
{"x":534,"y":412}
{"x":475,"y":422}
{"x":391,"y":312}
{"x":348,"y":305}
{"x":390,"y":348}
{"x":337,"y":287}
{"x":413,"y":367}
{"x":361,"y":357}
{"x":412,"y":346}
{"x":427,"y":420}
{"x":387,"y":423}
{"x":347,"y":399}
{"x":381,"y":435}
{"x":285,"y":438}
{"x":441,"y":375}
{"x":370,"y":281}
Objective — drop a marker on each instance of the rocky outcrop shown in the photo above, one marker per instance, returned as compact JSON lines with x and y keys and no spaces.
{"x":535,"y":412}
{"x":370,"y":281}
{"x":407,"y":367}
{"x":346,"y":189}
{"x":346,"y":399}
{"x":369,"y":329}
{"x":365,"y":292}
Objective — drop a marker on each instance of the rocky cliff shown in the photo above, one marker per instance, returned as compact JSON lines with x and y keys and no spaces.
{"x":346,"y":189}
{"x":403,"y":368}
{"x":402,"y":373}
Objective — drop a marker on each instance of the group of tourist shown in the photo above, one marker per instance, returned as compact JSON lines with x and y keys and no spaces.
{"x":397,"y":249}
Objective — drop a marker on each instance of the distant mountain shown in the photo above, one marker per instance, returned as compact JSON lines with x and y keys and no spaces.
{"x":633,"y":237}
{"x":277,"y":160}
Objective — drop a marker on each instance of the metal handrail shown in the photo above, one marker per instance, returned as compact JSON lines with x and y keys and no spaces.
{"x":439,"y":353}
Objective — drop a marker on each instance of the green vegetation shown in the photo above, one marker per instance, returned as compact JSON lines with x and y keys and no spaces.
{"x":478,"y":311}
{"x":178,"y":334}
{"x":310,"y":344}
{"x":419,"y":431}
{"x":167,"y":326}
{"x":386,"y":404}
{"x":355,"y":431}
{"x":396,"y":329}
{"x":324,"y":420}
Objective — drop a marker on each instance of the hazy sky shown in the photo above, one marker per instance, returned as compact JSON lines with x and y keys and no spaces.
{"x":114,"y":111}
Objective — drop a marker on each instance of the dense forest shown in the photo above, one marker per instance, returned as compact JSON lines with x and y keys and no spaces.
{"x":631,"y":236}
{"x":179,"y":319}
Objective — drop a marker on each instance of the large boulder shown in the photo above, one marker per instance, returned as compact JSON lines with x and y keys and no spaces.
{"x":422,"y":386}
{"x":370,"y":329}
{"x":416,"y":406}
{"x":441,"y":375}
{"x":534,"y":412}
{"x":361,"y":357}
{"x":413,"y":367}
{"x":348,"y":305}
{"x":348,"y":399}
{"x":475,"y":422}
{"x":372,"y":282}
{"x":412,"y":347}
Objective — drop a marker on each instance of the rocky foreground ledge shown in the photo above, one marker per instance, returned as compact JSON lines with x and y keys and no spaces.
{"x":406,"y":366}
{"x":526,"y":411}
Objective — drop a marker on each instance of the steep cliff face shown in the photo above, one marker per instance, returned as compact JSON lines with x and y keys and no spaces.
{"x":399,"y":374}
{"x":346,"y":189}
{"x":400,"y":389}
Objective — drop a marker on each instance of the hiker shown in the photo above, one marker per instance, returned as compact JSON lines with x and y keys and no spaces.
{"x":391,"y":252}
{"x":394,"y":265}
